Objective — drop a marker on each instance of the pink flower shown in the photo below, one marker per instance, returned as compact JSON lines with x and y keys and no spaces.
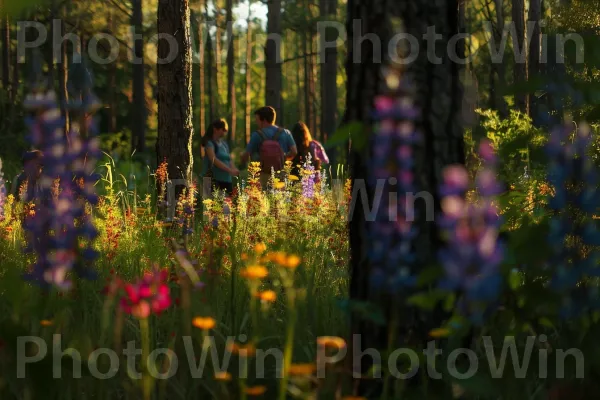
{"x":148,"y":295}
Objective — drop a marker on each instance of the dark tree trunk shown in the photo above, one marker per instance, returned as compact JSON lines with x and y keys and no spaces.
{"x":210,"y":79}
{"x":138,"y":103}
{"x":273,"y":81}
{"x":498,"y":68}
{"x":308,"y":83}
{"x":5,"y":38}
{"x":520,"y":68}
{"x":438,"y":95}
{"x":175,"y":128}
{"x":535,"y":15}
{"x":218,"y":59}
{"x":231,"y":97}
{"x":201,"y":76}
{"x":329,"y":68}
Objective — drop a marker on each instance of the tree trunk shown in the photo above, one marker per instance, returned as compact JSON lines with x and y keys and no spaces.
{"x":535,"y":15}
{"x":138,"y":104}
{"x":273,"y":79}
{"x":5,"y":38}
{"x":329,"y":68}
{"x":520,"y":68}
{"x":231,"y":97}
{"x":308,"y":83}
{"x":437,"y":93}
{"x":498,"y":68}
{"x":218,"y":59}
{"x":248,"y":96}
{"x":201,"y":77}
{"x":112,"y":84}
{"x":210,"y":80}
{"x":175,"y":128}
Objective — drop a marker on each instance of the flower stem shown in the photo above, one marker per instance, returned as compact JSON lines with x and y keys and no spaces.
{"x":146,"y":379}
{"x":289,"y":343}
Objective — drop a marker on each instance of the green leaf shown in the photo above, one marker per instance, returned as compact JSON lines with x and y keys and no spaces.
{"x":352,"y":131}
{"x":427,"y":300}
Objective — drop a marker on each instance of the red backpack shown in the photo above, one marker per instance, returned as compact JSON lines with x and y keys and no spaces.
{"x":271,"y":153}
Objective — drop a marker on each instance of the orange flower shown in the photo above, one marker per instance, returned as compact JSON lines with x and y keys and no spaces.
{"x":260,"y":248}
{"x":278,"y":256}
{"x":244,"y":257}
{"x":255,"y":390}
{"x":439,"y":332}
{"x":223,"y":376}
{"x":302,"y":369}
{"x":46,"y":322}
{"x":204,"y":323}
{"x":268,"y":296}
{"x":292,"y":261}
{"x":255,"y":272}
{"x":332,"y":342}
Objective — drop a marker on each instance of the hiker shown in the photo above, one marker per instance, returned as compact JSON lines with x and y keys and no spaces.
{"x":274,"y":145}
{"x":307,"y":145}
{"x":217,"y":164}
{"x":32,"y":170}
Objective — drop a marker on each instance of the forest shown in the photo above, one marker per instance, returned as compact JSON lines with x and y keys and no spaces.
{"x":309,"y":199}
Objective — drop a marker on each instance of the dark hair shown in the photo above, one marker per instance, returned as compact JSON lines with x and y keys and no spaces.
{"x":266,"y":114}
{"x":302,"y":137}
{"x":33,"y":155}
{"x":216,"y":124}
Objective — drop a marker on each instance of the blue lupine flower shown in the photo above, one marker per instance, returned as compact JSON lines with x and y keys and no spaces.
{"x":308,"y":179}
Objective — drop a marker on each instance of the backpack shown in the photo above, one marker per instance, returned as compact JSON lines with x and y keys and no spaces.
{"x":271,"y":153}
{"x":319,"y":151}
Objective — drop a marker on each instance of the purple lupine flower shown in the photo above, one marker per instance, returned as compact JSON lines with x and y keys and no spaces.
{"x":61,"y":222}
{"x":392,"y":163}
{"x":473,"y":253}
{"x":308,"y":179}
{"x":2,"y":192}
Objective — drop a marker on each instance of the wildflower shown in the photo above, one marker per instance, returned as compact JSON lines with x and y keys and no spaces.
{"x":439,"y":333}
{"x":331,"y":342}
{"x":292,"y":261}
{"x":255,"y":390}
{"x":46,"y":322}
{"x":244,"y":351}
{"x":268,"y":296}
{"x":244,"y":257}
{"x":223,"y":376}
{"x":148,"y":295}
{"x":260,"y":248}
{"x":302,"y":369}
{"x":293,"y":178}
{"x":204,"y":323}
{"x":278,"y":257}
{"x":279,"y":185}
{"x":255,"y":272}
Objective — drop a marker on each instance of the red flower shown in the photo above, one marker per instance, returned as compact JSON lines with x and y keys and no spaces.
{"x":149,"y":295}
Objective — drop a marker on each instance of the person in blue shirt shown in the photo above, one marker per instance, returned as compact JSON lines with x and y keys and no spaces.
{"x":265,"y":118}
{"x":217,"y":163}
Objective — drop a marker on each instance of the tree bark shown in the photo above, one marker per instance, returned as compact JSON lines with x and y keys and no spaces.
{"x":273,"y":81}
{"x":248,"y":95}
{"x":5,"y":38}
{"x":201,"y":76}
{"x":308,"y":83}
{"x":175,"y":128}
{"x":138,"y":103}
{"x":437,"y":93}
{"x":210,"y":80}
{"x":217,"y":63}
{"x":535,"y":15}
{"x":329,"y":68}
{"x":231,"y":97}
{"x":520,"y":68}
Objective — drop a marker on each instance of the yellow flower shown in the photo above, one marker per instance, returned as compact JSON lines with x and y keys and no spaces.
{"x":255,"y":390}
{"x":268,"y":296}
{"x":223,"y":376}
{"x":207,"y":202}
{"x":302,"y":369}
{"x":439,"y":332}
{"x":332,"y":342}
{"x":204,"y":323}
{"x":260,"y":248}
{"x":278,"y":256}
{"x":292,"y":261}
{"x":293,"y":178}
{"x":255,"y":272}
{"x":46,"y":322}
{"x":245,"y":351}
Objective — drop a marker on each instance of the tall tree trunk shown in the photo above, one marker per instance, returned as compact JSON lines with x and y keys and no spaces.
{"x":218,"y":58}
{"x":201,"y":76}
{"x":273,"y":81}
{"x":138,"y":103}
{"x":5,"y":38}
{"x":175,"y":127}
{"x":308,"y":84}
{"x":248,"y":96}
{"x":520,"y":68}
{"x":535,"y":15}
{"x":210,"y":78}
{"x":498,"y":68}
{"x":437,"y":93}
{"x":231,"y":97}
{"x":329,"y":68}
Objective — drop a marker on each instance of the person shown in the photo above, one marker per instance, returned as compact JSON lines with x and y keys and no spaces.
{"x":217,"y":164}
{"x":273,"y":144}
{"x":32,"y":170}
{"x":307,"y":145}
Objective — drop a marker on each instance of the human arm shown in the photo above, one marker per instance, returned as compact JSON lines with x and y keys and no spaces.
{"x":210,"y":153}
{"x":290,"y":155}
